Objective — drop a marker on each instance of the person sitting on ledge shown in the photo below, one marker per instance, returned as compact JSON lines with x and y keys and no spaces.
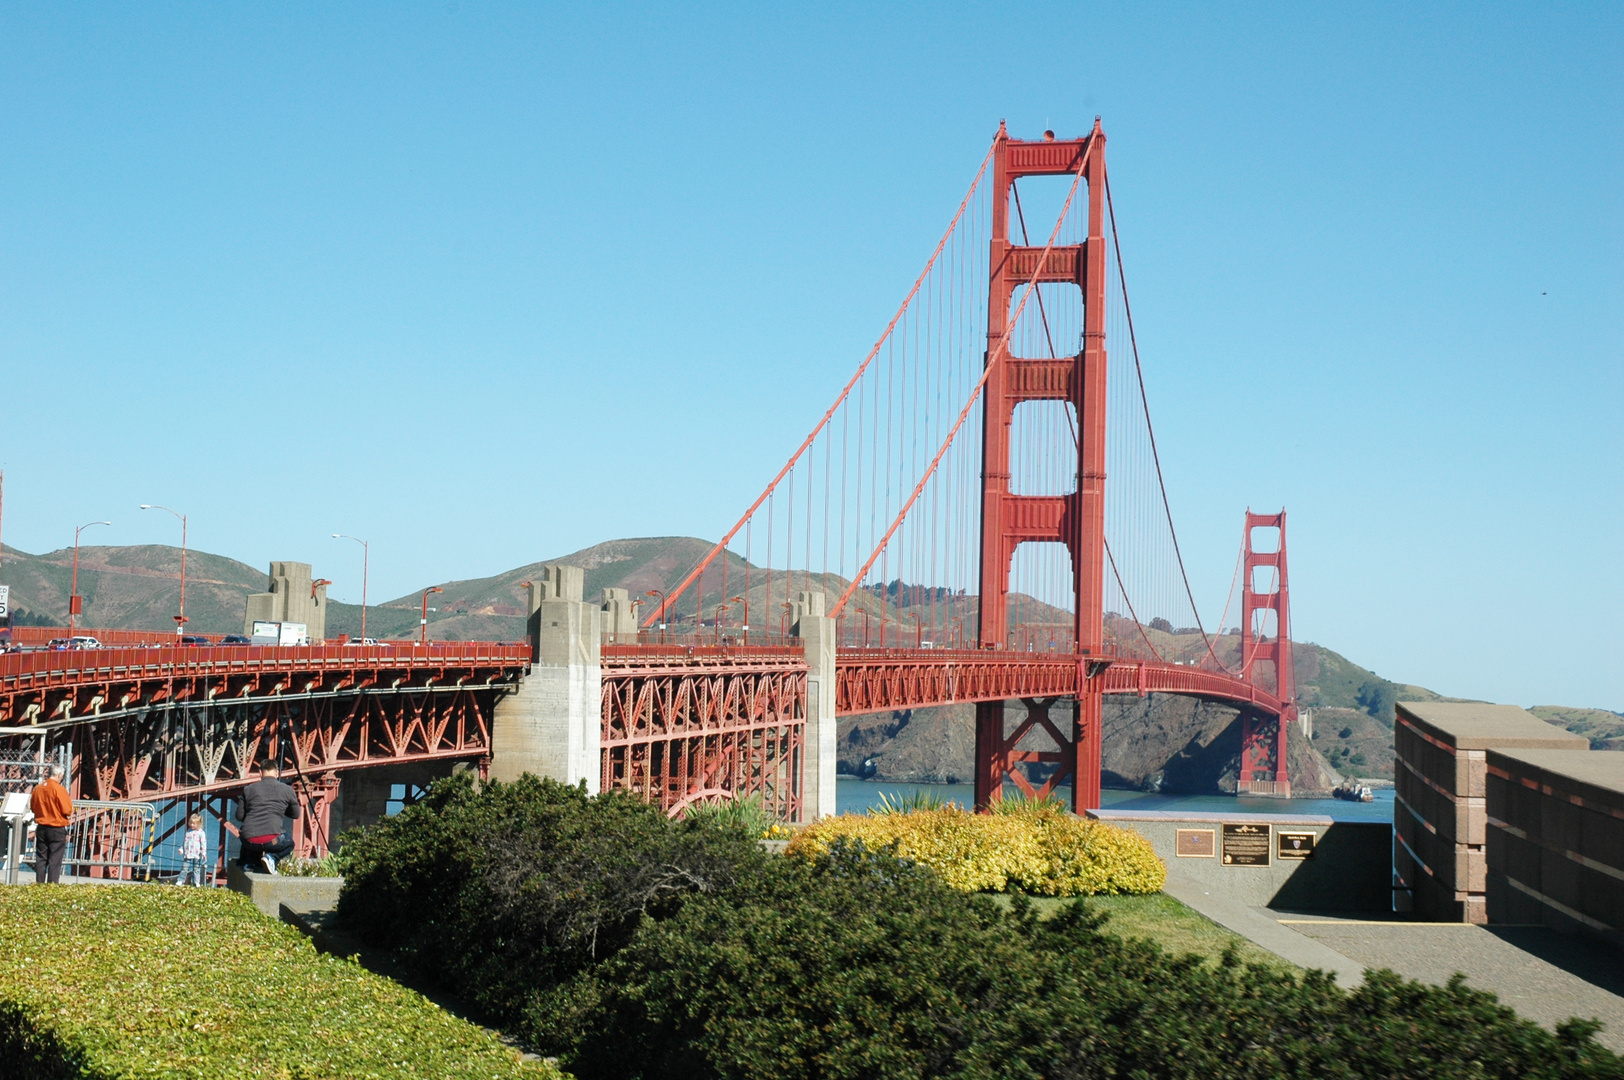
{"x":264,"y":805}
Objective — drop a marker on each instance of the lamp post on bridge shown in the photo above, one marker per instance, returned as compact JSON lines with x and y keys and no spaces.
{"x":716,"y":621}
{"x":180,"y":620}
{"x":423,"y":623}
{"x":74,"y":600}
{"x":366,"y":558}
{"x":746,"y":603}
{"x":919,"y":631}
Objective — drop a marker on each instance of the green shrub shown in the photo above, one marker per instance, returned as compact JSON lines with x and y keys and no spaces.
{"x":329,"y":865}
{"x":126,"y":981}
{"x":748,"y":815}
{"x":918,"y":799}
{"x":857,"y":964}
{"x":639,"y":948}
{"x":508,"y":891}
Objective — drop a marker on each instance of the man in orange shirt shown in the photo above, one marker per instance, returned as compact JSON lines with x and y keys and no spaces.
{"x":52,"y":807}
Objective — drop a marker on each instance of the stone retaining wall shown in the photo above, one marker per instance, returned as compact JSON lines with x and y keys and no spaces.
{"x":1556,"y":839}
{"x":1440,"y":812}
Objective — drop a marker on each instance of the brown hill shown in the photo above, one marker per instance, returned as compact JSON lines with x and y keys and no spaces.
{"x":1183,"y":743}
{"x":134,"y":588}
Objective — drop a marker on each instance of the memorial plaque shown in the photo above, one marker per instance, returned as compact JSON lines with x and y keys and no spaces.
{"x":1196,"y":843}
{"x":1246,"y":845}
{"x":1295,"y":845}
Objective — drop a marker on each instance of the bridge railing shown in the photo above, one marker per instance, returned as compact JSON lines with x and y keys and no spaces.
{"x":256,"y":657}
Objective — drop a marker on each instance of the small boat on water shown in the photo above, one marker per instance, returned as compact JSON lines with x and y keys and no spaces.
{"x":1353,"y":791}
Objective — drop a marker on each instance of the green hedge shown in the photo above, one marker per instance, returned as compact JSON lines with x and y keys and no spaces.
{"x":637,"y":948}
{"x":145,"y":981}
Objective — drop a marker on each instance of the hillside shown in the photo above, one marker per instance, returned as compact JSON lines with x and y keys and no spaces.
{"x":1175,"y":742}
{"x":135,"y":588}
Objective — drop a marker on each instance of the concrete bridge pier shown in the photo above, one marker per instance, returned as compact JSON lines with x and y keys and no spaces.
{"x":817,"y":633}
{"x":553,"y":725}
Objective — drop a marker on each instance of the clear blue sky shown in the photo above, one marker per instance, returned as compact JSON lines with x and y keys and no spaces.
{"x":488,"y":284}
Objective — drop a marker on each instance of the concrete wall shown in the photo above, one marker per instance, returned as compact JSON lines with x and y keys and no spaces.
{"x":619,"y":616}
{"x":1440,"y":813}
{"x":1349,"y":871}
{"x":1556,"y":839}
{"x":553,"y":725}
{"x":270,"y":893}
{"x":291,"y":599}
{"x":817,"y":633}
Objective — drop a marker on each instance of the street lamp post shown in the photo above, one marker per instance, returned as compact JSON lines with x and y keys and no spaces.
{"x":180,"y":620}
{"x":423,"y":624}
{"x":919,"y":632}
{"x":716,"y":621}
{"x":746,"y":603}
{"x":74,"y":600}
{"x":366,"y":559}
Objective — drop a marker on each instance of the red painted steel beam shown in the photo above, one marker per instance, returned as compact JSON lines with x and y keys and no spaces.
{"x":877,"y":680}
{"x":684,"y":724}
{"x":45,"y":690}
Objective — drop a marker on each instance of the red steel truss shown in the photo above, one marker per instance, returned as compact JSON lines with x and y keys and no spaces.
{"x":194,"y":723}
{"x":44,"y":690}
{"x":878,"y":680}
{"x":1078,"y":519}
{"x":688,"y":724}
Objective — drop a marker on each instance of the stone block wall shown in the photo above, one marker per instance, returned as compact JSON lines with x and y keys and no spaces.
{"x":1440,"y":813}
{"x":1556,"y":839}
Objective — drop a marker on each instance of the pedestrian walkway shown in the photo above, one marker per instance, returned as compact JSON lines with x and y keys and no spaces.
{"x":1545,"y":976}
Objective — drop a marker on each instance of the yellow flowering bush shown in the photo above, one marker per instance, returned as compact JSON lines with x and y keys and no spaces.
{"x":1033,"y":847}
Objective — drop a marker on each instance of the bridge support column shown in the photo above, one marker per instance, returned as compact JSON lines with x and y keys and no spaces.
{"x":553,"y":725}
{"x":817,"y":633}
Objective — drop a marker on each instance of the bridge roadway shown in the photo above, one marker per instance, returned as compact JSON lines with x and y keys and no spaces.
{"x":677,"y":722}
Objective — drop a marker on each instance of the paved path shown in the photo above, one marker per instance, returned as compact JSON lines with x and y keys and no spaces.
{"x":1260,"y":926}
{"x":1545,"y":976}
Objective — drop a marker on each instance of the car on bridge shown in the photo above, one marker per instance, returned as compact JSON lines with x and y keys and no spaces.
{"x":234,"y":639}
{"x":195,"y":639}
{"x":78,"y":641}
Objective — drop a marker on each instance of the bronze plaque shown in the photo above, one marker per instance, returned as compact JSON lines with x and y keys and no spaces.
{"x":1246,"y":845}
{"x":1196,"y":843}
{"x":1294,"y":845}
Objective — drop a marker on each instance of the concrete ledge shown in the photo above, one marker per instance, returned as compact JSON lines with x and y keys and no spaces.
{"x":271,"y":892}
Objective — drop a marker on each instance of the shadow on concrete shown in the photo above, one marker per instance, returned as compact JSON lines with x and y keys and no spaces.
{"x":1596,"y":962}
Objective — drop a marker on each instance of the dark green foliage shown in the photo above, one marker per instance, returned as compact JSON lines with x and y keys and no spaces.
{"x":519,"y":886}
{"x":1377,"y":697}
{"x":642,"y":949}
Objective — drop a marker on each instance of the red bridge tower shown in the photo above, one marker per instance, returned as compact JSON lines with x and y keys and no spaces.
{"x":1076,"y":519}
{"x":1256,"y":644}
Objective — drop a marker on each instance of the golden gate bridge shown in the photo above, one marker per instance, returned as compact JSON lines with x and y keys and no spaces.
{"x":980,"y":517}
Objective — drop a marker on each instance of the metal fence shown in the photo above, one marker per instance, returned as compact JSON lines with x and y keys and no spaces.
{"x":109,"y":841}
{"x":21,"y":770}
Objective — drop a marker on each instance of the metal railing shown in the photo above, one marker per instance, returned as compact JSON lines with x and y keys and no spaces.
{"x":112,"y":841}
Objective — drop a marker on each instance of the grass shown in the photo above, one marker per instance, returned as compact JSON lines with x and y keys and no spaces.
{"x":1175,"y":927}
{"x":139,"y":981}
